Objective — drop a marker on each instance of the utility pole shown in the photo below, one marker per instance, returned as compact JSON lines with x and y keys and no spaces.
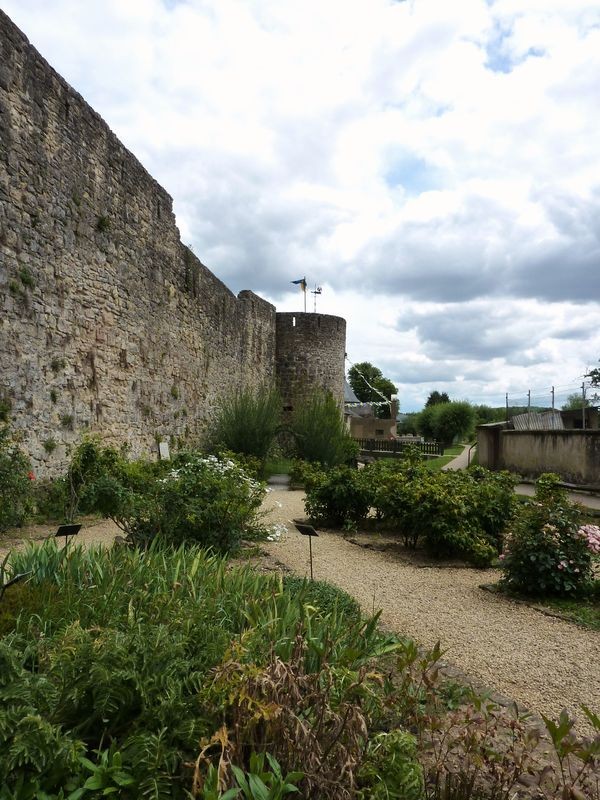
{"x":583,"y":404}
{"x":553,"y":398}
{"x":529,"y":409}
{"x":507,"y":408}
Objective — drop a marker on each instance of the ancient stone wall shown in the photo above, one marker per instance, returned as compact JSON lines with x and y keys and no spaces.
{"x":310,"y":354}
{"x":107,"y":322}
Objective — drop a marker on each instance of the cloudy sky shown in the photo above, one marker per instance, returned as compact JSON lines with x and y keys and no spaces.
{"x":434,"y":166}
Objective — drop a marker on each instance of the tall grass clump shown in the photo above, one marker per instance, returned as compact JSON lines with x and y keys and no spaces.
{"x":248,"y":421}
{"x":320,"y":433}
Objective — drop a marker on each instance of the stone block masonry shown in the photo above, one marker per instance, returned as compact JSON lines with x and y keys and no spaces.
{"x":108,"y":322}
{"x":310,"y":352}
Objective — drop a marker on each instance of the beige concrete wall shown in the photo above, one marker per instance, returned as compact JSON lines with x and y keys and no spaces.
{"x":574,"y":455}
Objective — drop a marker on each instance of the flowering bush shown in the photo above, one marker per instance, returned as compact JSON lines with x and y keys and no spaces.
{"x":201,"y":498}
{"x":208,"y":500}
{"x":591,"y":535}
{"x":547,"y":552}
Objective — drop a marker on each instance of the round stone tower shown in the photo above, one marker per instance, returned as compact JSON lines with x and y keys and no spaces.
{"x":310,"y":353}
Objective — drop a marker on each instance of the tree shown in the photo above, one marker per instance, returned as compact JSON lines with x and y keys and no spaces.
{"x":436,"y":397}
{"x":447,"y":421}
{"x":368,"y":383}
{"x":574,"y":402}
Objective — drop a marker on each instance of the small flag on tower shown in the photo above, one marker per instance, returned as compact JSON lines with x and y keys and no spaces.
{"x":301,"y":282}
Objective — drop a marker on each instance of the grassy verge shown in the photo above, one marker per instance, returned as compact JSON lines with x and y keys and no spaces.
{"x":584,"y":612}
{"x":435,"y":464}
{"x":278,"y":466}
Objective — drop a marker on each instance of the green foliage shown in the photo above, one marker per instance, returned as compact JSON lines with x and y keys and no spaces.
{"x":575,"y":402}
{"x":67,"y":421}
{"x":57,"y":364}
{"x":320,"y":433}
{"x":15,"y":482}
{"x":248,"y":421}
{"x":340,"y":497}
{"x":452,"y":513}
{"x":486,"y":414}
{"x":26,"y":278}
{"x":90,"y":462}
{"x":50,"y":444}
{"x":102,"y":224}
{"x":436,"y":397}
{"x":50,"y":498}
{"x":409,"y":424}
{"x":325,"y":596}
{"x":195,"y":498}
{"x":305,"y":473}
{"x":155,"y":651}
{"x":447,"y":421}
{"x":369,"y":384}
{"x":390,"y":770}
{"x":265,"y":781}
{"x":5,"y":409}
{"x":544,"y":554}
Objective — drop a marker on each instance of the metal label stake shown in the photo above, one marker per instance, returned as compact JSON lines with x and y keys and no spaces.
{"x":67,"y":530}
{"x":307,"y":530}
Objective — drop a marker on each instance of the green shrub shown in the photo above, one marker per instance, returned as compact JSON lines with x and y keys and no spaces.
{"x":390,"y":770}
{"x":544,"y":553}
{"x":247,"y":422}
{"x":50,"y":498}
{"x":306,"y":473}
{"x":320,"y":433}
{"x":15,"y":482}
{"x":451,"y":513}
{"x":196,"y":498}
{"x":325,"y":596}
{"x":340,"y":497}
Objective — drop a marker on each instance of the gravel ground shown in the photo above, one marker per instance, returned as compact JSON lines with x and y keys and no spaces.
{"x":543,"y":663}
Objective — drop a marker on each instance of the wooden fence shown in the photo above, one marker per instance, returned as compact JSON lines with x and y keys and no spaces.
{"x":394,"y":448}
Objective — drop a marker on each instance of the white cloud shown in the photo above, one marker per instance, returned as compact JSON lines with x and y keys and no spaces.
{"x":407,"y":155}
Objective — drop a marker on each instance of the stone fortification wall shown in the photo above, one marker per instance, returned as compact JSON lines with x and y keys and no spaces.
{"x":107,"y":322}
{"x":309,"y":354}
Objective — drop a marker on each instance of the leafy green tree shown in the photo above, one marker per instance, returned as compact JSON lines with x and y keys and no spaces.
{"x":574,"y":402}
{"x":369,"y":384}
{"x":436,"y":397}
{"x":447,"y":421}
{"x":485,"y":414}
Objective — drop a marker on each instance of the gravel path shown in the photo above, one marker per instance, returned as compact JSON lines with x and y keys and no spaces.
{"x":543,"y":663}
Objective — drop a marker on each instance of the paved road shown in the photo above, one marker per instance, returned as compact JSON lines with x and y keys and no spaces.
{"x":583,"y":498}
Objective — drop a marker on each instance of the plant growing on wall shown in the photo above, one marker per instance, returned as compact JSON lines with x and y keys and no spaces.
{"x":15,"y":482}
